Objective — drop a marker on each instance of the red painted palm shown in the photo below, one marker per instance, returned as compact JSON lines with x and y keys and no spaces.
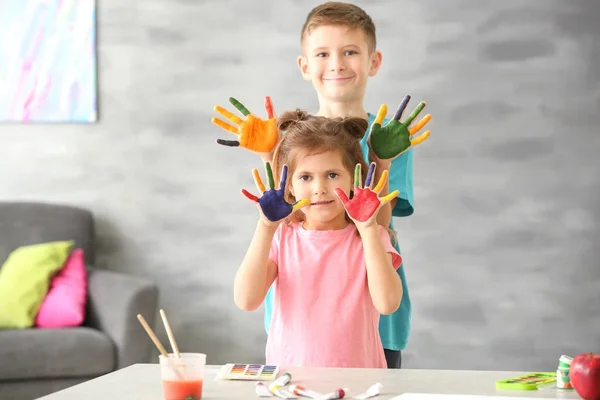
{"x":365,"y":202}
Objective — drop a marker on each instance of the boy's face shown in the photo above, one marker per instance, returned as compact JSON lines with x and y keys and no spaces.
{"x":336,"y":59}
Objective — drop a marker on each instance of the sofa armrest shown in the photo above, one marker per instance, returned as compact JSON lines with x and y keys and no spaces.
{"x":114,"y":301}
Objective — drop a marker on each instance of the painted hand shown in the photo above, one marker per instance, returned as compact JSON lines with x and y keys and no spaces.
{"x":393,"y":139}
{"x":254,"y":134}
{"x":366,"y":202}
{"x":272,"y":202}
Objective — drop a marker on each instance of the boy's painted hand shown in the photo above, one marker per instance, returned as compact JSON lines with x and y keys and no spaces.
{"x":272,"y":202}
{"x":365,"y":202}
{"x":393,"y":139}
{"x":254,"y":133}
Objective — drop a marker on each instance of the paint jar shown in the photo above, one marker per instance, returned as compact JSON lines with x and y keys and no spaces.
{"x":563,"y":380}
{"x":183,"y":377}
{"x":565,"y":362}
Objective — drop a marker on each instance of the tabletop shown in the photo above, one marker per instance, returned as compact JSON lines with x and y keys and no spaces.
{"x":143,"y":382}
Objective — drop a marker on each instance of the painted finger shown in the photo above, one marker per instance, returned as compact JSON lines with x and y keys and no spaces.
{"x":250,"y":195}
{"x":284,"y":172}
{"x":401,"y":108}
{"x":224,"y":125}
{"x":230,"y":143}
{"x":416,"y":128}
{"x":229,"y":115}
{"x":357,"y":175}
{"x":420,"y":139}
{"x":340,"y":193}
{"x":415,"y":113}
{"x":381,"y":114}
{"x":269,"y":107}
{"x":381,"y":182}
{"x":259,"y":184}
{"x":299,"y":204}
{"x":370,"y":175}
{"x":269,"y":172}
{"x":389,"y":197}
{"x":239,"y":106}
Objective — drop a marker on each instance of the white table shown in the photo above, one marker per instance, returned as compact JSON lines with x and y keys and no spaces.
{"x":142,"y":382}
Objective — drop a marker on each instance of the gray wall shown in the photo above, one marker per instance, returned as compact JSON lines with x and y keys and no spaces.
{"x":501,"y":254}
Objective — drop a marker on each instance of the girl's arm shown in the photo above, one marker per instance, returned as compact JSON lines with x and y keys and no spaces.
{"x":383,"y":280}
{"x":257,"y":272}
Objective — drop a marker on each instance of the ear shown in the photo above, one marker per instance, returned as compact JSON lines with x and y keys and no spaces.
{"x":376,"y":59}
{"x":303,"y":66}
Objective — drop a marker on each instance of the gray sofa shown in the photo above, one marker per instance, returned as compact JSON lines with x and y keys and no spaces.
{"x":35,"y":362}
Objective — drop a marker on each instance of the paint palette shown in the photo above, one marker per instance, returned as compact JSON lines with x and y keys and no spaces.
{"x":249,"y":372}
{"x":529,"y":381}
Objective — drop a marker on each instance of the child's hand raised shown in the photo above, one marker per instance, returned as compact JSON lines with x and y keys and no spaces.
{"x":393,"y":139}
{"x":254,"y":134}
{"x":365,"y":202}
{"x":272,"y":204}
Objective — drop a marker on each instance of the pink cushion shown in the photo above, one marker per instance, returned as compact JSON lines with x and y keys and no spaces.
{"x":64,"y":305}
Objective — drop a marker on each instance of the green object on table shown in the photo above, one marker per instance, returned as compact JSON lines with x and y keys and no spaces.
{"x":529,"y":381}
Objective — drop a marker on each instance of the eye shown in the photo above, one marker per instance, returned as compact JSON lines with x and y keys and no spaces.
{"x":321,"y":55}
{"x":333,"y":175}
{"x":304,"y":178}
{"x":350,"y":52}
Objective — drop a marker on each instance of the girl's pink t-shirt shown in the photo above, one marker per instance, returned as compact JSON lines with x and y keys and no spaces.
{"x":323,"y":315}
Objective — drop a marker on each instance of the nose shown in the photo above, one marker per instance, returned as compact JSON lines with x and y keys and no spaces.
{"x":319,"y":187}
{"x":336,"y":63}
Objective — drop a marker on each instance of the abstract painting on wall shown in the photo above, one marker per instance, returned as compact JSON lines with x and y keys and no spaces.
{"x":48,"y":61}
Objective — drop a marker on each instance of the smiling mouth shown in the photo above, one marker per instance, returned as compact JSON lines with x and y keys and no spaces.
{"x":321,"y":203}
{"x":337,"y":79}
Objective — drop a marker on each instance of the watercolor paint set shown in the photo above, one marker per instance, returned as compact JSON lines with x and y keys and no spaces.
{"x":249,"y":372}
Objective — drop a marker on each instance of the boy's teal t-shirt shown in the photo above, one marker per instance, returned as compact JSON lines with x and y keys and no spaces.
{"x":394,"y":328}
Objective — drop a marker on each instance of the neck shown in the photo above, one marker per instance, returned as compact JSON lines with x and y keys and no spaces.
{"x":333,"y":225}
{"x":342,"y":109}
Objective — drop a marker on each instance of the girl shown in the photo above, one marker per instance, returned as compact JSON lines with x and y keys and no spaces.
{"x":317,"y":239}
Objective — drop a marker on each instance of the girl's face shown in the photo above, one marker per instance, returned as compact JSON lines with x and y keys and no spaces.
{"x":315,"y":178}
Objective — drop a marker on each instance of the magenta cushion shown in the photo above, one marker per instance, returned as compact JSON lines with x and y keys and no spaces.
{"x":64,"y":305}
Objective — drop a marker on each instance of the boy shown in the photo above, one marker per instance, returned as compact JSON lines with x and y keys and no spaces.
{"x":338,"y":56}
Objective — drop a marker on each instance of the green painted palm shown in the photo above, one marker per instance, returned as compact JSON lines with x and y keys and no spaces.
{"x":393,"y":139}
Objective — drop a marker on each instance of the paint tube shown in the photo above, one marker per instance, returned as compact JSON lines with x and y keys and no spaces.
{"x":262,"y":390}
{"x":372,"y":391}
{"x":302,"y":391}
{"x":336,"y":394}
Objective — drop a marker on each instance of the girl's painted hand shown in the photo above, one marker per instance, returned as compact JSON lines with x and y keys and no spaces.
{"x":254,"y":134}
{"x":272,"y":204}
{"x":365,"y":202}
{"x":393,"y":139}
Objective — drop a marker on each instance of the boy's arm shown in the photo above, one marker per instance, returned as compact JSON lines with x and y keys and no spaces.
{"x":385,"y":212}
{"x":384,"y":283}
{"x":257,"y":271}
{"x":400,"y":178}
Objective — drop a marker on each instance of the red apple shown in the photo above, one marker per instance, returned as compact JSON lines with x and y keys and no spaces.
{"x":585,"y":375}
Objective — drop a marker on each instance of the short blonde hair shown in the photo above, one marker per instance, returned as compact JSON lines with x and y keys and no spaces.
{"x":339,"y":13}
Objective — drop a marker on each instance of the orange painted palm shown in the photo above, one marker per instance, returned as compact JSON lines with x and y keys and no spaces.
{"x":255,"y":134}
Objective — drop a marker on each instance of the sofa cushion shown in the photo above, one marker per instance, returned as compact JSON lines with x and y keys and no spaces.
{"x":25,"y":278}
{"x":54,"y":353}
{"x":64,"y":305}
